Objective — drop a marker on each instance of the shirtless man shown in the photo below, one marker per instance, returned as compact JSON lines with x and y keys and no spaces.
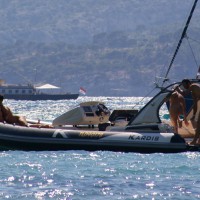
{"x":6,"y":115}
{"x":1,"y":114}
{"x":177,"y":108}
{"x":194,"y":88}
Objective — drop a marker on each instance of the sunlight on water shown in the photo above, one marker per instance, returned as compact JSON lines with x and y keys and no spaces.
{"x":98,"y":175}
{"x":48,"y":110}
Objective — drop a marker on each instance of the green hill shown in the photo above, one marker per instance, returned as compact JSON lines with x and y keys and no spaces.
{"x":111,"y":48}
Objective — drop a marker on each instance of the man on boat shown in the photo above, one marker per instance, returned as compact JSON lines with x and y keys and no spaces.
{"x":177,"y":108}
{"x":6,"y":115}
{"x":194,"y":88}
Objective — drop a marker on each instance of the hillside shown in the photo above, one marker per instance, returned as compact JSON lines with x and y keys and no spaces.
{"x":108,"y":47}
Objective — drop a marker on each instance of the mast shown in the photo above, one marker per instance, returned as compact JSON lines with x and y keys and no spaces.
{"x":181,"y":39}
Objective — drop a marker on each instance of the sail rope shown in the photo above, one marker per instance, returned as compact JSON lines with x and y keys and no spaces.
{"x":181,"y":39}
{"x":146,"y":96}
{"x":193,"y":40}
{"x":195,"y":60}
{"x":183,"y":35}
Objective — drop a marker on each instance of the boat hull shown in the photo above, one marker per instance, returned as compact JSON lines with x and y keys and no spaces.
{"x":35,"y":97}
{"x":36,"y":139}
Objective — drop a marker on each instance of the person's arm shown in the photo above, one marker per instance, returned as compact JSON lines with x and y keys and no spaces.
{"x":183,"y":106}
{"x":194,"y":107}
{"x":182,"y":92}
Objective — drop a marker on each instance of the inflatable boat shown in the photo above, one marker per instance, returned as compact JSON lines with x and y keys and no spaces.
{"x":145,"y":132}
{"x":29,"y":138}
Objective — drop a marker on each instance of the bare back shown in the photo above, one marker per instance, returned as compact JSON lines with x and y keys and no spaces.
{"x":1,"y":114}
{"x":177,"y":104}
{"x":7,"y":114}
{"x":12,"y":119}
{"x":195,"y":89}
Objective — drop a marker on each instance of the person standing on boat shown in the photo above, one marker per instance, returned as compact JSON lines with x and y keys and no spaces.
{"x":194,"y":88}
{"x":6,"y":115}
{"x":177,"y":108}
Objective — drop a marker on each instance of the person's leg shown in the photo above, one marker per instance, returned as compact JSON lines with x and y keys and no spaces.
{"x":197,"y":132}
{"x":21,"y":121}
{"x":174,"y":121}
{"x":179,"y":121}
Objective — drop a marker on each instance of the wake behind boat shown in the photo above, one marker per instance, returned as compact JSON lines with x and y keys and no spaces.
{"x":30,"y":92}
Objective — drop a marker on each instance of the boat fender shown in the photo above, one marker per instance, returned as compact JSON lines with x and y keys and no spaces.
{"x":176,"y":138}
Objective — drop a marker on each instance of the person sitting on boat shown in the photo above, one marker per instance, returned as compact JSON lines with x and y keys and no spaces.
{"x":7,"y":115}
{"x":194,"y":88}
{"x":41,"y":125}
{"x":177,"y":108}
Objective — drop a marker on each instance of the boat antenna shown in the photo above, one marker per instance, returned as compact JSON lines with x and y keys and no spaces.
{"x":181,"y":39}
{"x":26,"y":79}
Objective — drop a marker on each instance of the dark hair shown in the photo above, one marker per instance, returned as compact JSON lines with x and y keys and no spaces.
{"x":1,"y":97}
{"x":186,"y":81}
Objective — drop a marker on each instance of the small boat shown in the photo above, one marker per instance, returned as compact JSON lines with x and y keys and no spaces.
{"x":145,"y":132}
{"x":29,"y":138}
{"x":83,"y":128}
{"x":30,"y":92}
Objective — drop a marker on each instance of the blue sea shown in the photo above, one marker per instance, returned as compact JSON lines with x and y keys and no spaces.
{"x":98,"y":175}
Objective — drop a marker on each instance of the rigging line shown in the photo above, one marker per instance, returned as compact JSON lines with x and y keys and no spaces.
{"x":26,"y":79}
{"x":182,"y":36}
{"x":147,"y":95}
{"x":195,"y":60}
{"x":194,"y":40}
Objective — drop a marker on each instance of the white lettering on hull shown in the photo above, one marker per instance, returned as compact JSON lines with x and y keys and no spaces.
{"x":59,"y":132}
{"x":144,"y":138}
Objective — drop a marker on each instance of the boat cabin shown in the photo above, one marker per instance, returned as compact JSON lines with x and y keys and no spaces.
{"x":17,"y":89}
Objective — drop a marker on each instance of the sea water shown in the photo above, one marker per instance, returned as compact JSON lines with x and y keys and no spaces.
{"x":98,"y":175}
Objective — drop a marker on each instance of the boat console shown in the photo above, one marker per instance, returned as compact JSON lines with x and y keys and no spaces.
{"x":88,"y":113}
